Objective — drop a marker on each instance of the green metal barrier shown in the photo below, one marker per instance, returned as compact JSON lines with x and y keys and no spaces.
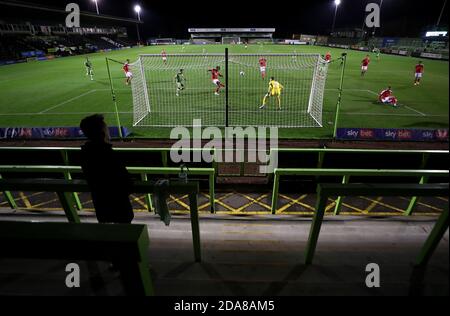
{"x":321,"y":155}
{"x":64,"y":187}
{"x":66,"y":150}
{"x":142,"y":171}
{"x":425,"y":155}
{"x":346,"y":174}
{"x":68,"y":176}
{"x":9,"y":198}
{"x":124,"y":245}
{"x":433,"y":239}
{"x":164,"y":159}
{"x":324,"y":191}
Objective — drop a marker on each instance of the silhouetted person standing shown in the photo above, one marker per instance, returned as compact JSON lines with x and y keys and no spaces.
{"x":107,"y":177}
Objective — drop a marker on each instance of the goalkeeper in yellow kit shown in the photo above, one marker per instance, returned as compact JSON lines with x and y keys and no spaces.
{"x":275,"y":89}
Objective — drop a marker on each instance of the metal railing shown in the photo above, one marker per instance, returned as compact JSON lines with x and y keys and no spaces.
{"x":67,"y":171}
{"x":346,"y":174}
{"x":63,"y":188}
{"x":324,"y":191}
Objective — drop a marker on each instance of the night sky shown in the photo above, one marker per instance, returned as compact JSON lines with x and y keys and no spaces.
{"x":166,"y":18}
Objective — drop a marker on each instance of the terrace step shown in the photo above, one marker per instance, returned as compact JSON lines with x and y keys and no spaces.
{"x":243,"y":180}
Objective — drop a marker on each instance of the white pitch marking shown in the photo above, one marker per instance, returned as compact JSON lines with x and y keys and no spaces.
{"x":68,"y":101}
{"x":406,"y":107}
{"x":409,"y":108}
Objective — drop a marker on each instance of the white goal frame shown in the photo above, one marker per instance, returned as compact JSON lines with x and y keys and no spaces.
{"x":155,"y":104}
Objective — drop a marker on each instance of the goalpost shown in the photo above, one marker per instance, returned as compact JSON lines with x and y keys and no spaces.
{"x":157,"y":102}
{"x":231,"y":40}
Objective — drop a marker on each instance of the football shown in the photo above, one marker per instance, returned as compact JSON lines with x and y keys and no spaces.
{"x":242,"y":73}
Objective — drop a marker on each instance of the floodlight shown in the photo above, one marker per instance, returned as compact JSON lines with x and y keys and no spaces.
{"x":337,"y":2}
{"x":137,"y":8}
{"x":96,"y":6}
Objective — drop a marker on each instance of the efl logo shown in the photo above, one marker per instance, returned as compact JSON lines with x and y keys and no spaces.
{"x":73,"y":18}
{"x":373,"y":18}
{"x":442,"y":134}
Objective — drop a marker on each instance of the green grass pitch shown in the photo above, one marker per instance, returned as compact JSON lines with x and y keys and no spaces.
{"x":58,"y":92}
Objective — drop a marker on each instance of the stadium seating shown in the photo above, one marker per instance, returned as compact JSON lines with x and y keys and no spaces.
{"x":12,"y":46}
{"x":126,"y":244}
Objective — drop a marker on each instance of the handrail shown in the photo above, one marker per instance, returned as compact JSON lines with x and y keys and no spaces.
{"x":324,"y":191}
{"x":346,"y":173}
{"x":63,"y":188}
{"x":210,"y":172}
{"x":293,"y":150}
{"x":358,"y":150}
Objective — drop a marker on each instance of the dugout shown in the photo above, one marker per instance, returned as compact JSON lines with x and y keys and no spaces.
{"x":231,"y":35}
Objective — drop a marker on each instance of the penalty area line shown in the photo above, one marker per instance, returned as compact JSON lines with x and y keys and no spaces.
{"x":67,"y":101}
{"x":414,"y":110}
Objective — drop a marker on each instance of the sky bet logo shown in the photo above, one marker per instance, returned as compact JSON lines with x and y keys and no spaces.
{"x":353,"y":133}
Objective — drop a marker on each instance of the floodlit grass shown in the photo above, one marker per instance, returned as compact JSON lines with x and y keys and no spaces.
{"x":58,"y":93}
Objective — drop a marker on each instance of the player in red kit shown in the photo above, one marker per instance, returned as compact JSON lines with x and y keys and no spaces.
{"x":263,"y":66}
{"x":365,"y":65}
{"x":384,"y":94}
{"x":128,"y":74}
{"x":328,"y":57}
{"x":215,"y":74}
{"x":419,"y":73}
{"x":164,"y":56}
{"x":386,"y":97}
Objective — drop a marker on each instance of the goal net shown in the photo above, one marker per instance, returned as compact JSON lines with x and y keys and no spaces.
{"x":159,"y":101}
{"x":231,"y":40}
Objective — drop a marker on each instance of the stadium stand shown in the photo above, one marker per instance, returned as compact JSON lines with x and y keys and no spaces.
{"x":231,"y":35}
{"x":123,"y":244}
{"x":19,"y":46}
{"x":240,"y":257}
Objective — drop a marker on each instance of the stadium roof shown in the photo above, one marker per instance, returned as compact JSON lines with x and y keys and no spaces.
{"x":21,"y":4}
{"x":231,"y":30}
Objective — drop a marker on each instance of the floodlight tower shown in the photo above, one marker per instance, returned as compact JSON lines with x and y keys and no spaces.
{"x":138,"y":9}
{"x":442,"y":12}
{"x":336,"y":4}
{"x":96,"y":6}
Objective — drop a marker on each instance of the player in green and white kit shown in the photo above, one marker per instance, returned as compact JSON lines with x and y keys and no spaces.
{"x":377,"y":52}
{"x":89,"y":69}
{"x":180,"y":80}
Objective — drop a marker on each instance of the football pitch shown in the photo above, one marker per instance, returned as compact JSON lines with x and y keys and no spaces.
{"x":58,"y":92}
